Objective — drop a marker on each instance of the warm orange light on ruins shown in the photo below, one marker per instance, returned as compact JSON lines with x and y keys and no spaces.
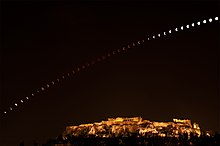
{"x":126,"y":127}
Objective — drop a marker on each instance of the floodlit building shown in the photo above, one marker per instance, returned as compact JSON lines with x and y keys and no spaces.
{"x":126,"y":126}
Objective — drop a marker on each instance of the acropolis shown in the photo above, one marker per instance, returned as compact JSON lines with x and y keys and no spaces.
{"x":135,"y":126}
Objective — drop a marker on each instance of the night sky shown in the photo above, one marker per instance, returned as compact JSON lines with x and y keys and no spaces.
{"x":172,"y":76}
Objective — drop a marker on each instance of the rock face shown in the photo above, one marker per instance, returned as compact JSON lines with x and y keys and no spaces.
{"x":136,"y":126}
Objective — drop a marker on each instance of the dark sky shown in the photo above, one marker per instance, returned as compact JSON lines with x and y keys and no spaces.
{"x":171,"y":76}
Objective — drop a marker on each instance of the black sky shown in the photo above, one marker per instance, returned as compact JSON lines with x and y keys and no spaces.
{"x":172,"y":76}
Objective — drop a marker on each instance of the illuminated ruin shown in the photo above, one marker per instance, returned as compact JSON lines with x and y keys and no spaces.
{"x":136,"y":126}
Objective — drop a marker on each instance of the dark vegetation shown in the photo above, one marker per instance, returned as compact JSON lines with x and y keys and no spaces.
{"x":182,"y":140}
